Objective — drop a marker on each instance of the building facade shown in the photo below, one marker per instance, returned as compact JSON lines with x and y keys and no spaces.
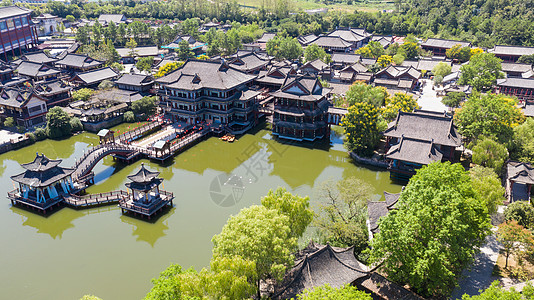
{"x":208,"y":91}
{"x":301,"y":109}
{"x":17,"y":30}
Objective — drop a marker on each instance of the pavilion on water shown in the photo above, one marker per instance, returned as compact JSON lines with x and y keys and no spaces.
{"x":42,"y":185}
{"x":144,"y":196}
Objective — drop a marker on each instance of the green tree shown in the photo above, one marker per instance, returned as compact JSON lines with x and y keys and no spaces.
{"x":260,"y":235}
{"x":362,"y":128}
{"x":400,"y":101}
{"x":184,"y":52}
{"x":296,"y":208}
{"x":488,"y":115}
{"x":453,"y":99}
{"x":440,"y":71}
{"x":82,"y":94}
{"x":145,"y":63}
{"x":284,"y":48}
{"x":459,"y":53}
{"x":326,"y":292}
{"x":409,"y":50}
{"x":495,"y":292}
{"x":90,"y":297}
{"x":514,"y":239}
{"x":228,"y":278}
{"x":105,"y":85}
{"x":313,"y":52}
{"x":75,"y":124}
{"x":129,"y":117}
{"x":82,"y":35}
{"x":9,"y":122}
{"x":131,"y":44}
{"x":360,"y":92}
{"x":435,"y":231}
{"x":526,"y":59}
{"x":57,"y":123}
{"x":117,"y":67}
{"x":481,"y":72}
{"x":520,"y":211}
{"x":488,"y":185}
{"x":70,"y":18}
{"x":146,"y":106}
{"x":523,"y":142}
{"x":167,"y":285}
{"x":491,"y":154}
{"x":371,"y":50}
{"x":343,"y":212}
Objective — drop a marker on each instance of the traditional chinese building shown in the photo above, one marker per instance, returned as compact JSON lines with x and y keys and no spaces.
{"x":379,"y":209}
{"x":145,"y":197}
{"x":301,"y":109}
{"x":25,"y":107}
{"x":208,"y":91}
{"x":419,"y":138}
{"x":511,"y":53}
{"x":522,"y":88}
{"x":439,"y":46}
{"x":42,"y":185}
{"x":17,"y":31}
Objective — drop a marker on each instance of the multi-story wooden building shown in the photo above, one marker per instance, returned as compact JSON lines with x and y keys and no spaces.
{"x":17,"y":30}
{"x":208,"y":91}
{"x":522,"y":88}
{"x":301,"y":109}
{"x":26,"y":108}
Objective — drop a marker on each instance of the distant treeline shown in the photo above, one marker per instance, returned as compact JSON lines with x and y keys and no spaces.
{"x":484,"y":23}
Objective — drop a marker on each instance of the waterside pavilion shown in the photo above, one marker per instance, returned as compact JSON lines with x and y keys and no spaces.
{"x":42,"y":184}
{"x":145,"y":198}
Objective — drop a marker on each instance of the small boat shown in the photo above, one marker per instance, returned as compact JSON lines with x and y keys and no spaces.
{"x":225,"y":137}
{"x":231,"y":139}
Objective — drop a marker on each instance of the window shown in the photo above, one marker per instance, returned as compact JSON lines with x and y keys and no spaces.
{"x":21,"y":41}
{"x":10,"y":24}
{"x":6,"y":45}
{"x":17,"y":22}
{"x":3,"y":25}
{"x":34,"y":109}
{"x":24,"y":21}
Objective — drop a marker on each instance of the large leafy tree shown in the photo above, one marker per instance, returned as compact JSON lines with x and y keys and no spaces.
{"x":343,"y":212}
{"x":488,"y":115}
{"x":481,"y":72}
{"x":372,"y":50}
{"x":491,"y":154}
{"x":296,"y":208}
{"x":313,"y":52}
{"x":57,"y":123}
{"x":496,"y":292}
{"x":146,"y":105}
{"x":435,"y":232}
{"x":168,"y":68}
{"x":260,"y":235}
{"x":184,"y":52}
{"x":326,"y":292}
{"x":362,"y":126}
{"x":459,"y":53}
{"x":488,"y":186}
{"x":523,"y":142}
{"x":453,"y":99}
{"x":145,"y":63}
{"x":361,"y":92}
{"x":522,"y":212}
{"x":284,"y":48}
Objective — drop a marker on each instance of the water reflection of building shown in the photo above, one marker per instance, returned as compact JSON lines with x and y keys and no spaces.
{"x":149,"y":232}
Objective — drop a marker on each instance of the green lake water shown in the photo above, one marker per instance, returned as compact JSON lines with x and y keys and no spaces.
{"x":98,"y":251}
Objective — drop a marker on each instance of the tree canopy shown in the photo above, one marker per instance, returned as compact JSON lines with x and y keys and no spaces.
{"x":259,"y":235}
{"x":362,"y":127}
{"x":326,"y":292}
{"x":57,"y":123}
{"x":488,"y":186}
{"x":495,"y":292}
{"x":488,"y":115}
{"x":400,"y":101}
{"x":313,"y":52}
{"x":284,"y":48}
{"x":481,"y":72}
{"x":491,"y":154}
{"x":361,"y":92}
{"x":296,"y":208}
{"x":433,"y":234}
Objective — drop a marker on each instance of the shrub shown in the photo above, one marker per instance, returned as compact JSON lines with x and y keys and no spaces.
{"x":76,"y":124}
{"x":40,"y":133}
{"x":9,"y":122}
{"x":520,"y":211}
{"x":129,"y":117}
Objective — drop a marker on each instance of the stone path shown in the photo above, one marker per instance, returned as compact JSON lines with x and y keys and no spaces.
{"x":479,"y":277}
{"x":429,"y":100}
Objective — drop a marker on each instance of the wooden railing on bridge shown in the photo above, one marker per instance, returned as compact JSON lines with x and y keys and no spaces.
{"x":90,"y":158}
{"x":95,"y":199}
{"x":138,"y":132}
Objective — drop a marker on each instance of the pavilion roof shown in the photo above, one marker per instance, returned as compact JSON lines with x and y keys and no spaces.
{"x":42,"y":172}
{"x":319,"y":265}
{"x":520,"y":172}
{"x":143,"y":175}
